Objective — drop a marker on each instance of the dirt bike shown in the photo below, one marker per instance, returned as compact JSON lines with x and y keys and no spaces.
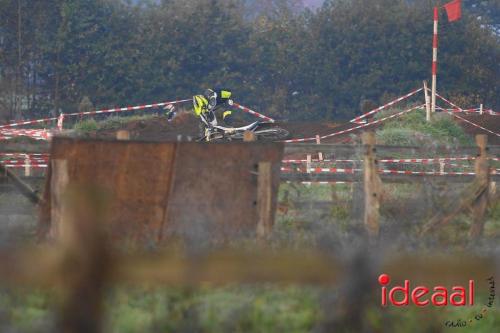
{"x":264,"y":131}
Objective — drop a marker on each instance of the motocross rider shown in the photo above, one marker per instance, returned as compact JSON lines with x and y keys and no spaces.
{"x":206,"y":105}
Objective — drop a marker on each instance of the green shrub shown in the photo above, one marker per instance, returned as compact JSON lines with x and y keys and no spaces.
{"x":445,"y":125}
{"x":396,"y":136}
{"x":413,"y":129}
{"x":86,"y":126}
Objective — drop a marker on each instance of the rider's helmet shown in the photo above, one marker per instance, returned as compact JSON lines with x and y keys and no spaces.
{"x":200,"y":104}
{"x":211,"y":96}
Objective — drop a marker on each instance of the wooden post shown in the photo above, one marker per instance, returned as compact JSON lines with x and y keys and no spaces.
{"x":60,"y":122}
{"x":58,"y":185}
{"x":79,"y":214}
{"x":371,"y":185}
{"x":249,"y":136}
{"x":320,"y":154}
{"x":427,"y":102}
{"x":27,"y":165}
{"x":24,"y":188}
{"x":123,"y":135}
{"x":264,"y":200}
{"x":493,"y":189}
{"x":482,"y":170}
{"x":309,"y":163}
{"x":481,"y":109}
{"x":482,"y":177}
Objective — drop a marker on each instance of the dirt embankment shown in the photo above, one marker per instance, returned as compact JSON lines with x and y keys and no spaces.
{"x":186,"y":125}
{"x":156,"y":129}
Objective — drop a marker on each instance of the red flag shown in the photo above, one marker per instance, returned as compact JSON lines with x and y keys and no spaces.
{"x":454,"y":10}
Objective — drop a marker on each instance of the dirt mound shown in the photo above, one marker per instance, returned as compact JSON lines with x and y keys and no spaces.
{"x":187,"y":125}
{"x":308,"y":129}
{"x":158,"y":128}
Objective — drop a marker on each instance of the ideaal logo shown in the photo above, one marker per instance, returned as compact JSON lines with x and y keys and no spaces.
{"x":421,"y":296}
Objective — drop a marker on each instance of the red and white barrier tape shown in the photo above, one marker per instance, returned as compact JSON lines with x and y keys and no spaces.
{"x":304,"y":161}
{"x":318,"y":161}
{"x":461,"y":110}
{"x":128,"y":108}
{"x":487,"y":112}
{"x":463,"y":119}
{"x":2,"y":138}
{"x":449,"y":102}
{"x":474,"y":124}
{"x":321,"y":170}
{"x":385,"y":171}
{"x":254,"y":113}
{"x":333,"y":170}
{"x":391,"y":103}
{"x":412,"y":160}
{"x":357,"y":127}
{"x":373,"y":122}
{"x":456,"y":108}
{"x":491,"y":112}
{"x":8,"y":134}
{"x":31,"y":160}
{"x":23,"y":158}
{"x":23,"y":161}
{"x":426,"y":173}
{"x":29,"y":122}
{"x":36,"y":166}
{"x":27,"y":132}
{"x":24,"y":154}
{"x":429,"y":160}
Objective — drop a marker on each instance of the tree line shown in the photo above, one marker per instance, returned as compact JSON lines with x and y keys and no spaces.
{"x":277,"y":57}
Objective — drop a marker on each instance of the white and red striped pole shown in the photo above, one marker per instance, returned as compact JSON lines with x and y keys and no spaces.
{"x":434,"y":59}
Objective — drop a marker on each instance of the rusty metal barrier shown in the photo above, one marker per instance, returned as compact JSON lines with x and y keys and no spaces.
{"x":155,"y":191}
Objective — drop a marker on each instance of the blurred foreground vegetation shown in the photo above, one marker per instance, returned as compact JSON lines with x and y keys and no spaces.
{"x":264,"y":309}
